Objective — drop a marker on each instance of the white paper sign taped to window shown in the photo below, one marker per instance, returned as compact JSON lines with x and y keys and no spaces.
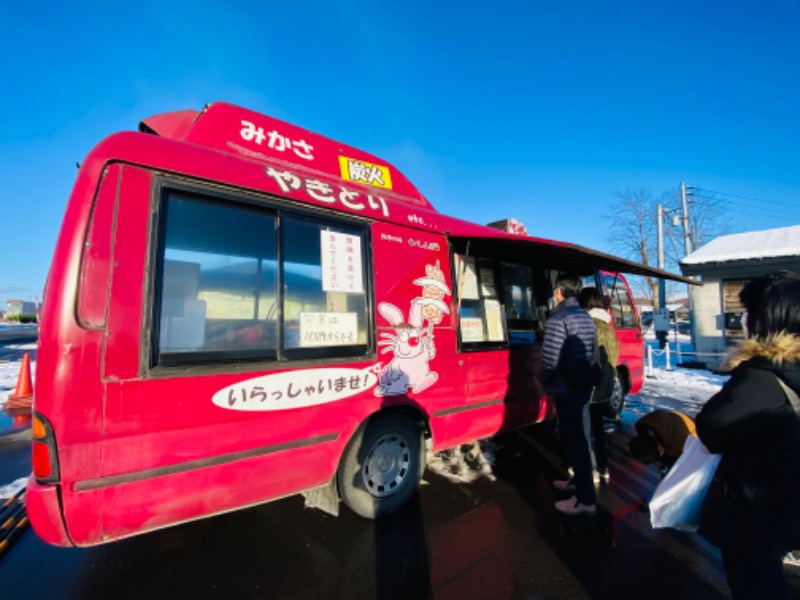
{"x":341,"y":262}
{"x":328,"y":329}
{"x":468,"y":278}
{"x":471,"y":329}
{"x":494,"y":320}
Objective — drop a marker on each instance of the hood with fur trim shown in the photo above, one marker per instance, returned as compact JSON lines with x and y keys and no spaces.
{"x":779,"y":349}
{"x":599,"y":313}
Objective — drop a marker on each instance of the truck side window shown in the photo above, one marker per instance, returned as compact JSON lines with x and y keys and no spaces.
{"x":324,"y":283}
{"x":621,"y":304}
{"x":238,"y":281}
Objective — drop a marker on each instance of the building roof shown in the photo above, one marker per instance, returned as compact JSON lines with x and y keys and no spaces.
{"x":753,"y":245}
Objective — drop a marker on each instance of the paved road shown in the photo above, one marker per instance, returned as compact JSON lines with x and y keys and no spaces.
{"x":491,"y":540}
{"x":13,"y":337}
{"x":18,"y":333}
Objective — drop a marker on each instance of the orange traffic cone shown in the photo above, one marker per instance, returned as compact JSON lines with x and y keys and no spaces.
{"x":20,"y":402}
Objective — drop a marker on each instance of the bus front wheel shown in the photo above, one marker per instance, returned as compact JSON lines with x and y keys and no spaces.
{"x":381,"y":466}
{"x":617,"y":401}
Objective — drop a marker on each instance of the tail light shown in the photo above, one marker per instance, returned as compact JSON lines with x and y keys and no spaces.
{"x":45,"y":458}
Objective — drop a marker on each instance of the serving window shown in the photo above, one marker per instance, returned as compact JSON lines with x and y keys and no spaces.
{"x":237,"y":280}
{"x":501,"y":303}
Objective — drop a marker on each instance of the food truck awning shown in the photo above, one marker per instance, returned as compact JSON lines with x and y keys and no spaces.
{"x":484,"y":241}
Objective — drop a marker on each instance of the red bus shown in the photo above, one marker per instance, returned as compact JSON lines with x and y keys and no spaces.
{"x":240,"y":310}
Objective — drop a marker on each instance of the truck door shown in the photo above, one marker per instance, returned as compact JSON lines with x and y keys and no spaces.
{"x":415,"y":319}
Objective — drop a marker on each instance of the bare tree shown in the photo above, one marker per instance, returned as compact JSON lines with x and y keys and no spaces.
{"x":634,"y":230}
{"x":707,"y":221}
{"x":633,"y":233}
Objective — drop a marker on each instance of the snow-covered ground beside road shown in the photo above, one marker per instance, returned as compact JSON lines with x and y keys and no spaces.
{"x":681,"y":389}
{"x":10,"y":490}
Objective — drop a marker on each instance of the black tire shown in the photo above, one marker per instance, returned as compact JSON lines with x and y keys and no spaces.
{"x":381,"y":466}
{"x":616,"y":402}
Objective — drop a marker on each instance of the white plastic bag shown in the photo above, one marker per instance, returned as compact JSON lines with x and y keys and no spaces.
{"x":679,"y":497}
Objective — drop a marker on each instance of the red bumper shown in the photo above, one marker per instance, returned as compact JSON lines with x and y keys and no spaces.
{"x":44,"y":512}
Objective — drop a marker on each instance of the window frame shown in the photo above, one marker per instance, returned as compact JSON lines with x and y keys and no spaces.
{"x":618,"y":285}
{"x":154,"y":360}
{"x":484,"y":345}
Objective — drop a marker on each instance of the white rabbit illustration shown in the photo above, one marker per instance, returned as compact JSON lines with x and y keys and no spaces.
{"x":412,"y":346}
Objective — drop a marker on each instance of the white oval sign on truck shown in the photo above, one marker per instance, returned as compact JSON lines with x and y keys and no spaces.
{"x":295,"y":389}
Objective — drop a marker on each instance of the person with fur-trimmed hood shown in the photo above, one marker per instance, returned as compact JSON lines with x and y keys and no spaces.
{"x":752,"y":509}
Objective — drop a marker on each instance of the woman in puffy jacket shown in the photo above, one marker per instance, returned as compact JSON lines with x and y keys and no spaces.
{"x":752,"y":510}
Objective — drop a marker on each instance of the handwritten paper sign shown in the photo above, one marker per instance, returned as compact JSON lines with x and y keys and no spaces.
{"x":328,"y":329}
{"x":471,"y":329}
{"x":341,"y":262}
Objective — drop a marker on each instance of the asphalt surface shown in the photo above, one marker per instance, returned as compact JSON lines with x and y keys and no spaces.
{"x":485,"y":539}
{"x":11,"y":337}
{"x":498,"y":539}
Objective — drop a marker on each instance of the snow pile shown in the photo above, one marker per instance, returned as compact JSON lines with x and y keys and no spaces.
{"x":464,"y":464}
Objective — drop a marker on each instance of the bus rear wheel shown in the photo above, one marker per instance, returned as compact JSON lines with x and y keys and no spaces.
{"x":381,"y":466}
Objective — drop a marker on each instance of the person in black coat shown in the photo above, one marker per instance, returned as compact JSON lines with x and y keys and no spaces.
{"x":752,"y":509}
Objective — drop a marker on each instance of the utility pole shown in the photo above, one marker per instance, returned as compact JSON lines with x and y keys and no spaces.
{"x":685,"y":206}
{"x":662,"y":288}
{"x":687,"y":244}
{"x":662,"y":314}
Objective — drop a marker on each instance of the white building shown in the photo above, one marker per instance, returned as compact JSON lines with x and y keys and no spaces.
{"x":21,"y":310}
{"x":724,"y":265}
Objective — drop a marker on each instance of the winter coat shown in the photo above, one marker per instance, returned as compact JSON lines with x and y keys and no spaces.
{"x":753,"y":504}
{"x":671,"y":427}
{"x":568,"y":341}
{"x":608,"y":351}
{"x":606,"y":337}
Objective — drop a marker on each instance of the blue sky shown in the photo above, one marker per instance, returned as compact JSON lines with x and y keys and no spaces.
{"x":540,"y":110}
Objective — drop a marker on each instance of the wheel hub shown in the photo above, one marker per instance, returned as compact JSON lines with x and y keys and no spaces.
{"x":387,"y":465}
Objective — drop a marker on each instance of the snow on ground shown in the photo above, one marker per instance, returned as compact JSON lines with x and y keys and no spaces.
{"x":9,"y":371}
{"x":685,"y":390}
{"x":672,"y":336}
{"x":10,"y":490}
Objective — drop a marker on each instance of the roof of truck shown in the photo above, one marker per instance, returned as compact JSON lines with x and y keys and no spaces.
{"x":248,"y":134}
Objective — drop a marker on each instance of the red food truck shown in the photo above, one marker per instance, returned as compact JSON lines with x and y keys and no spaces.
{"x":240,"y":310}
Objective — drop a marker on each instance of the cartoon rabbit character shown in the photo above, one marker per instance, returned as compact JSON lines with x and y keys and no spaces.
{"x":413,"y":348}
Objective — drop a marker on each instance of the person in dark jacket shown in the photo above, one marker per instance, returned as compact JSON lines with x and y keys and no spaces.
{"x":566,"y":354}
{"x":752,"y":509}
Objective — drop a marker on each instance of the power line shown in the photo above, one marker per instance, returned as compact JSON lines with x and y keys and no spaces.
{"x":762,"y":212}
{"x":745,"y":197}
